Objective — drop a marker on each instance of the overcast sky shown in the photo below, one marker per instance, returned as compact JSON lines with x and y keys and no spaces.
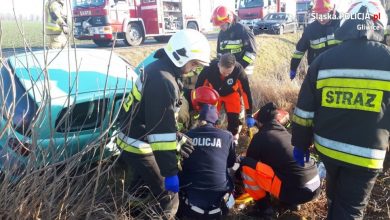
{"x":26,"y":7}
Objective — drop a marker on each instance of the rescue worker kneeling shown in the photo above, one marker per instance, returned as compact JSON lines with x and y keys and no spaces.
{"x":205,"y":184}
{"x":270,"y":168}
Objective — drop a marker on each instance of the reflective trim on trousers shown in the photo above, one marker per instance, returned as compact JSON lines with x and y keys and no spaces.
{"x":200,"y":210}
{"x":314,"y":183}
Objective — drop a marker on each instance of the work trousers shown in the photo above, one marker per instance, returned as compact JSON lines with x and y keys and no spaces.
{"x":348,"y":189}
{"x":57,"y":41}
{"x":145,"y":167}
{"x":197,"y":204}
{"x":233,"y":122}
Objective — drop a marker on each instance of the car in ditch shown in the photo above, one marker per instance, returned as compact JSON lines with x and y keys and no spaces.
{"x":56,"y":103}
{"x":276,"y":23}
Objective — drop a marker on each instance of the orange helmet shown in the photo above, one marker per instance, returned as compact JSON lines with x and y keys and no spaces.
{"x":222,"y":15}
{"x":323,"y":6}
{"x":203,"y":95}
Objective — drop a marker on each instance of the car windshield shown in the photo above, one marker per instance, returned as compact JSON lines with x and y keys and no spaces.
{"x":86,"y":3}
{"x":304,"y":6}
{"x":251,"y":3}
{"x":25,"y":107}
{"x":275,"y":17}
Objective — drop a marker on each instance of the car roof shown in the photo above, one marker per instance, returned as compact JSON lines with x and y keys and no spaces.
{"x":71,"y":72}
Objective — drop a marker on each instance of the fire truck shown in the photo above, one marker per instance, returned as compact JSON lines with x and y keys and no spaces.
{"x":251,"y":11}
{"x":303,"y":12}
{"x":103,"y":21}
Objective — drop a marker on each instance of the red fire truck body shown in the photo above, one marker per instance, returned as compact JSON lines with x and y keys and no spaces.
{"x":103,"y":21}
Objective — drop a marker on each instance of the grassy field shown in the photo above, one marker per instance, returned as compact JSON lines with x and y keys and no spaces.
{"x":12,"y":37}
{"x":24,"y":33}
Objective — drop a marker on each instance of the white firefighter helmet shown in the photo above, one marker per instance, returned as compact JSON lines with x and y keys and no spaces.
{"x":374,"y":8}
{"x":186,"y":45}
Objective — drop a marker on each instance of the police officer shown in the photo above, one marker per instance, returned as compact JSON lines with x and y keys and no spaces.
{"x":228,"y":78}
{"x":318,"y":35}
{"x":147,"y":135}
{"x":234,"y":38}
{"x":204,"y":179}
{"x":270,"y":168}
{"x":56,"y":23}
{"x":344,"y":105}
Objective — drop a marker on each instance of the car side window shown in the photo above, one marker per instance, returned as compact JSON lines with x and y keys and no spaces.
{"x":82,"y":116}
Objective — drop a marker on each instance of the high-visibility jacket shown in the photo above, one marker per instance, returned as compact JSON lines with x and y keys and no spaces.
{"x":55,"y":17}
{"x":239,"y":40}
{"x":148,"y":115}
{"x":315,"y":39}
{"x":259,"y":178}
{"x":344,"y":103}
{"x":230,"y":88}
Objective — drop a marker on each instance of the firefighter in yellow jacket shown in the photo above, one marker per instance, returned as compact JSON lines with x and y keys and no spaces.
{"x":148,"y":134}
{"x":344,"y":105}
{"x":56,"y":23}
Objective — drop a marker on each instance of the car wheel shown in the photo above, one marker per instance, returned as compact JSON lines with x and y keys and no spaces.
{"x":134,"y":35}
{"x":102,"y":43}
{"x":281,"y":30}
{"x":192,"y":25}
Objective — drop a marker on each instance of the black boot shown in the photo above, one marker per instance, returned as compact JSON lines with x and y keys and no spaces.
{"x":263,"y":209}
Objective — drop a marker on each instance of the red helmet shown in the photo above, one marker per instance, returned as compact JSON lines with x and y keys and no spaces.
{"x":203,"y":95}
{"x":283,"y":117}
{"x":222,"y":15}
{"x":323,"y":6}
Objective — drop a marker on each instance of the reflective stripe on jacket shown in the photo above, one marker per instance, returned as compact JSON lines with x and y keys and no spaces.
{"x":259,"y":178}
{"x":315,"y":39}
{"x":344,"y":104}
{"x":148,"y":121}
{"x":240,"y":41}
{"x":54,"y":13}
